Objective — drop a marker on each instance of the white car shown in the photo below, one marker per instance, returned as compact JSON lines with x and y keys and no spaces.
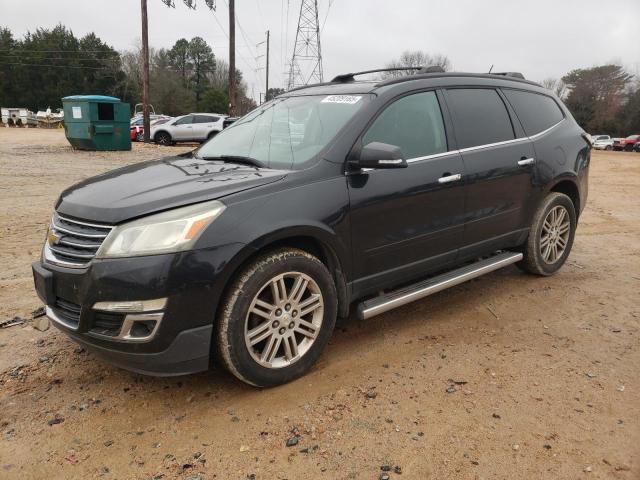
{"x":194,"y":127}
{"x":602,"y":142}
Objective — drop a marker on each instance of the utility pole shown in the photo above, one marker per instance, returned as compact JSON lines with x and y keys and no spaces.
{"x":145,"y":71}
{"x":266,"y":88}
{"x":232,"y":58}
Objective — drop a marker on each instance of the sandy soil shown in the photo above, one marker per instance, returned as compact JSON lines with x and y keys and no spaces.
{"x":550,"y":364}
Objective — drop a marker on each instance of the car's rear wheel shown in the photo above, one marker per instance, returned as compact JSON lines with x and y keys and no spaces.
{"x":163,"y":138}
{"x":140,"y":137}
{"x":277,"y":318}
{"x":608,"y":148}
{"x":550,"y":236}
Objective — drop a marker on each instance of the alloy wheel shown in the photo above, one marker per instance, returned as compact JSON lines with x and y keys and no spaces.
{"x":555,"y":234}
{"x":284,"y":320}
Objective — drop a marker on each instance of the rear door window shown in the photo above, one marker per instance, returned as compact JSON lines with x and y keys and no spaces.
{"x":536,"y":112}
{"x":480,"y":117}
{"x":413,"y":123}
{"x":205,"y":119}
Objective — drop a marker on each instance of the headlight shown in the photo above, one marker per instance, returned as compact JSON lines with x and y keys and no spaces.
{"x":171,"y":231}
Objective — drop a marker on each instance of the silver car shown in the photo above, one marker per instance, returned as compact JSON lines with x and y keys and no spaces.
{"x":602,"y":142}
{"x":194,"y":127}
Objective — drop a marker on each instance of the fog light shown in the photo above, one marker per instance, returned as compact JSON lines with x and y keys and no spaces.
{"x":133,"y":306}
{"x":140,"y":327}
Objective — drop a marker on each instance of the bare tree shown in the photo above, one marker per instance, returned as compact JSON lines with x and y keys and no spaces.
{"x":416,"y":58}
{"x":556,"y":85}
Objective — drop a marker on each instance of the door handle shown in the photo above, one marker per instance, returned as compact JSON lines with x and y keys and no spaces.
{"x":450,"y":178}
{"x":526,"y":161}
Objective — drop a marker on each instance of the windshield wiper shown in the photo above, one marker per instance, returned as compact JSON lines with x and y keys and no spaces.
{"x":236,"y":159}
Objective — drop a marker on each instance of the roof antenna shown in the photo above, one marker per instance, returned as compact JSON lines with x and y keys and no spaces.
{"x":491,"y":69}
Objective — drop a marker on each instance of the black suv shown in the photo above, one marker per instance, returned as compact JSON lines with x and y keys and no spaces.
{"x":364,"y":193}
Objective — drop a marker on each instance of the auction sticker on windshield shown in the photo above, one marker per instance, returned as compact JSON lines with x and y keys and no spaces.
{"x":350,"y":99}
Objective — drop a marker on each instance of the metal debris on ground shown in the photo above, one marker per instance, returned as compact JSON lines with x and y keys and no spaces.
{"x":11,"y":322}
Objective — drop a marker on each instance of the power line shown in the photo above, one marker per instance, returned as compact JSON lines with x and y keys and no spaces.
{"x":106,"y":69}
{"x":20,"y":49}
{"x":82,"y":59}
{"x":326,"y":16}
{"x":253,"y":53}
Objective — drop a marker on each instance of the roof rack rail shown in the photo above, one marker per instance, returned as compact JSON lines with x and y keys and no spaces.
{"x":510,"y":74}
{"x":350,"y":77}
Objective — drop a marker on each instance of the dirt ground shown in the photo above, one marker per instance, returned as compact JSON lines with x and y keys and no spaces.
{"x":546,"y":369}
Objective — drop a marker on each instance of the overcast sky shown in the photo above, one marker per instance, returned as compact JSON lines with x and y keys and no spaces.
{"x":542,"y":38}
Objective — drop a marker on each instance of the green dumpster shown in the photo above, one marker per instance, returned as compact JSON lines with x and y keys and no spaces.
{"x":96,"y":122}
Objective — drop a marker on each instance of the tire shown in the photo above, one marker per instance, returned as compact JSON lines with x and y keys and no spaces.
{"x":538,"y":259}
{"x":608,"y":148}
{"x":246,"y":340}
{"x":163,"y":138}
{"x":211,"y":135}
{"x":140,"y":137}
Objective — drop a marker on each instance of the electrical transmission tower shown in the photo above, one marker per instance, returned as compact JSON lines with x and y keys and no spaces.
{"x":306,"y":63}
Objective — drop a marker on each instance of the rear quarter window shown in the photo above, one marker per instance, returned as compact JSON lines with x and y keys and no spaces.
{"x":535,"y":111}
{"x":480,"y":117}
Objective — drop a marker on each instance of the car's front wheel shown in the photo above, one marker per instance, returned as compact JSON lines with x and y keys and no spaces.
{"x":140,"y":137}
{"x":550,"y":235}
{"x":163,"y":138}
{"x":277,"y":318}
{"x":211,"y":135}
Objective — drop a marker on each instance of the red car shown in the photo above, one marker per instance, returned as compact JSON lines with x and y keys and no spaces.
{"x":136,"y":129}
{"x":627,"y":144}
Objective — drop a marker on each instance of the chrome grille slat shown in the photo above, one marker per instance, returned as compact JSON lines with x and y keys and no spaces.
{"x":78,"y":241}
{"x":76,"y":233}
{"x":65,"y":241}
{"x":72,"y":254}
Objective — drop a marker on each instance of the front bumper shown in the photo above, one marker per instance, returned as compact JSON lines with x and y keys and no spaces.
{"x":191,"y":281}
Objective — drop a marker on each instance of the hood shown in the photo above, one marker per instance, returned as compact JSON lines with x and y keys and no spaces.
{"x":149,"y":187}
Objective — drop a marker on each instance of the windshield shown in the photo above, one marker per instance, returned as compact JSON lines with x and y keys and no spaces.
{"x":285,"y":133}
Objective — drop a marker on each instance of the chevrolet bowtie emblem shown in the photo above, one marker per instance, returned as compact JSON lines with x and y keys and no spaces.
{"x":52,"y":237}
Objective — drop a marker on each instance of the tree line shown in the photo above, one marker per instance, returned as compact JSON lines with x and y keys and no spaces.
{"x":39,"y":69}
{"x":603,"y":99}
{"x":36,"y":71}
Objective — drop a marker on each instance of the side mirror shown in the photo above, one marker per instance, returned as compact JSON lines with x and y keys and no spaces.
{"x":380,"y":155}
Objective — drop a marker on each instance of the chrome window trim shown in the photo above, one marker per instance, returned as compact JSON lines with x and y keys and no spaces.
{"x":491,"y":145}
{"x":470,"y":149}
{"x":432,"y":156}
{"x":544,"y":132}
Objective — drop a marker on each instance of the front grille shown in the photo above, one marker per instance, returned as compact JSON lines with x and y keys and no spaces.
{"x":75,"y":242}
{"x":108,"y":324}
{"x":68,"y":312}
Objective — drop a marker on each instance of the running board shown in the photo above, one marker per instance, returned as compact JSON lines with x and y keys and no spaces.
{"x":389,"y":301}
